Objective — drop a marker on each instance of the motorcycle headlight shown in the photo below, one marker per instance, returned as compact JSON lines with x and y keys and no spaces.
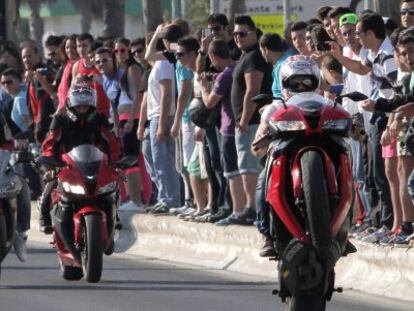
{"x":336,"y":125}
{"x":108,"y":188}
{"x":283,"y":126}
{"x":75,"y":189}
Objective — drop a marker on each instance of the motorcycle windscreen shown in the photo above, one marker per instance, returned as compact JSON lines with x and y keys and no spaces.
{"x":87,"y":158}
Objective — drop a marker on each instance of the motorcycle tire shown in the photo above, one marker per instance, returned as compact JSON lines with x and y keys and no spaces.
{"x":3,"y":238}
{"x":316,"y":200}
{"x":70,"y":273}
{"x":93,"y":249}
{"x":315,"y":302}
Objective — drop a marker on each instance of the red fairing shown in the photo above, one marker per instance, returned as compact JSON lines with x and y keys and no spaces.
{"x":344,"y":205}
{"x":66,"y":256}
{"x":77,"y":220}
{"x":276,"y":196}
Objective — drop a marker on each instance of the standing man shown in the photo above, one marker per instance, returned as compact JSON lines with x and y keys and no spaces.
{"x":381,"y":63}
{"x":251,"y":76}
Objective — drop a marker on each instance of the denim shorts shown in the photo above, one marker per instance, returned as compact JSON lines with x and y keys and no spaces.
{"x":228,"y":154}
{"x":247,"y":162}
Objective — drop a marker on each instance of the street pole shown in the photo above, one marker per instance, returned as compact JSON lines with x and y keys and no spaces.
{"x":175,"y":9}
{"x":214,"y":6}
{"x":286,"y":12}
{"x":184,"y":9}
{"x":368,"y":4}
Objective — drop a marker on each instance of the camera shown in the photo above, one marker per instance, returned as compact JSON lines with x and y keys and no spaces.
{"x":206,"y":32}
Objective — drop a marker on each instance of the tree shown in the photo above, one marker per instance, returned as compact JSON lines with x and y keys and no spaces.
{"x":152,"y":14}
{"x":89,"y":10}
{"x":113,"y":18}
{"x":236,"y":7}
{"x":388,"y":8}
{"x":36,"y":24}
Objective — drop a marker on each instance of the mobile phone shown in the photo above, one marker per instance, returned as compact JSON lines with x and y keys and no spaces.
{"x":336,"y":89}
{"x":206,"y":32}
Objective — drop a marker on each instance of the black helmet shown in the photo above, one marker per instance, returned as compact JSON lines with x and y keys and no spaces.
{"x":201,"y":115}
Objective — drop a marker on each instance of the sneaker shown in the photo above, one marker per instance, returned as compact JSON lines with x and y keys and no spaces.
{"x":179,"y":210}
{"x":376,"y":236}
{"x":249,"y":214}
{"x":402,"y":240}
{"x":131,"y":207}
{"x":219,"y":215}
{"x":203,"y":218}
{"x":233,"y":219}
{"x":45,"y":225}
{"x":161,"y":208}
{"x":20,"y":247}
{"x":362,"y":234}
{"x":186,"y":212}
{"x":357,"y":229}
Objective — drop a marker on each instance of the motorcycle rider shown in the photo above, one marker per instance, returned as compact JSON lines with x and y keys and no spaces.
{"x":23,"y":198}
{"x":299,"y":74}
{"x":78,"y":124}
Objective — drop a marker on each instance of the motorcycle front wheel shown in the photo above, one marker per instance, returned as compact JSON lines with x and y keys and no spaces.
{"x":93,"y":248}
{"x":312,"y":302}
{"x":316,"y":200}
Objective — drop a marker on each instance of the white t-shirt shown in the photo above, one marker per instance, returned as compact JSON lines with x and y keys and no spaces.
{"x":162,"y":70}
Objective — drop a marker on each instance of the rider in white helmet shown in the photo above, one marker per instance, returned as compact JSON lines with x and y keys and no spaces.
{"x":299,"y":76}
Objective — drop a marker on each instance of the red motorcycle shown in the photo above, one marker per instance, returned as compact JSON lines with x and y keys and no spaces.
{"x":84,"y":210}
{"x":309,"y":188}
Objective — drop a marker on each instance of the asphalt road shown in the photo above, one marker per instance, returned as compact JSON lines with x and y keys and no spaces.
{"x":147,"y":284}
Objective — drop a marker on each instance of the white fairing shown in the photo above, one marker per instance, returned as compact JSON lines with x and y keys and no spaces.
{"x":308,"y":96}
{"x":86,"y":153}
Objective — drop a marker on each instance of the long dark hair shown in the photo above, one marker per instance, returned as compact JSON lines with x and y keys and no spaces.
{"x":129,"y":62}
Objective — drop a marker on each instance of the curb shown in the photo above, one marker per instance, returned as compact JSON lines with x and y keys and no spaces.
{"x":378,"y":270}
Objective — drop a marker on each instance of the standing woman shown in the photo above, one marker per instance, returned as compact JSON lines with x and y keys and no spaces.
{"x":70,"y":57}
{"x":128,"y":113}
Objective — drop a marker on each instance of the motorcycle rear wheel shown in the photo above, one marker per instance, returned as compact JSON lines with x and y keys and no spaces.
{"x":93,"y":249}
{"x":316,"y":200}
{"x":315,"y":302}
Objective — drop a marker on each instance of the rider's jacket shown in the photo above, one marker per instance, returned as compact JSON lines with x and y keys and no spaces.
{"x":67,"y":132}
{"x":6,"y":138}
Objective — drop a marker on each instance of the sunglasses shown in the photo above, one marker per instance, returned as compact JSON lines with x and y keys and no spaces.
{"x":121,"y":51}
{"x":7,"y":82}
{"x":215,"y":28}
{"x":102,"y":61}
{"x":241,"y":34}
{"x":407,"y":11}
{"x":137,"y":51}
{"x":179,"y":55}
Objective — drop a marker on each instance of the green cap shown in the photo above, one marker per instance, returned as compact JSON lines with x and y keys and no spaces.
{"x":349,"y":18}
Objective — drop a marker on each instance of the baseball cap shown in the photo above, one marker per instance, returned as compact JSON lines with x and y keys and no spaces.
{"x":349,"y":18}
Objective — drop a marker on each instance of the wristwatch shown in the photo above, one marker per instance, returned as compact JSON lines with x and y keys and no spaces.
{"x":201,"y":52}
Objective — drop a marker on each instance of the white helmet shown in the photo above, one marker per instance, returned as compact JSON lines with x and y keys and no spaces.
{"x":299,"y":74}
{"x":81,"y":95}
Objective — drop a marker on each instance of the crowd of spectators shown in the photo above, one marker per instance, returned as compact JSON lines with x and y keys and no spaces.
{"x":180,"y":100}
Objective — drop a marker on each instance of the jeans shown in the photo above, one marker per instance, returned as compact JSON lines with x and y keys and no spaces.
{"x":247,"y":162}
{"x":23,"y":209}
{"x":163,"y":157}
{"x":146,"y":151}
{"x":215,"y":170}
{"x":410,"y":186}
{"x":381,"y":182}
{"x":359,"y":175}
{"x":262,"y":206}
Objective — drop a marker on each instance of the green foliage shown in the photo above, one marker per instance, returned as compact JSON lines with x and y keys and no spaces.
{"x":197,"y":13}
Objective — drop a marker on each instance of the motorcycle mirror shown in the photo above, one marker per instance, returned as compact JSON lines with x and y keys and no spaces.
{"x":126,"y":162}
{"x":356,"y":96}
{"x":266,"y":99}
{"x":23,"y":135}
{"x":50,"y":162}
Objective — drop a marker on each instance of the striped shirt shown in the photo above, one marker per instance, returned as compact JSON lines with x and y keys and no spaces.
{"x":384,"y":70}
